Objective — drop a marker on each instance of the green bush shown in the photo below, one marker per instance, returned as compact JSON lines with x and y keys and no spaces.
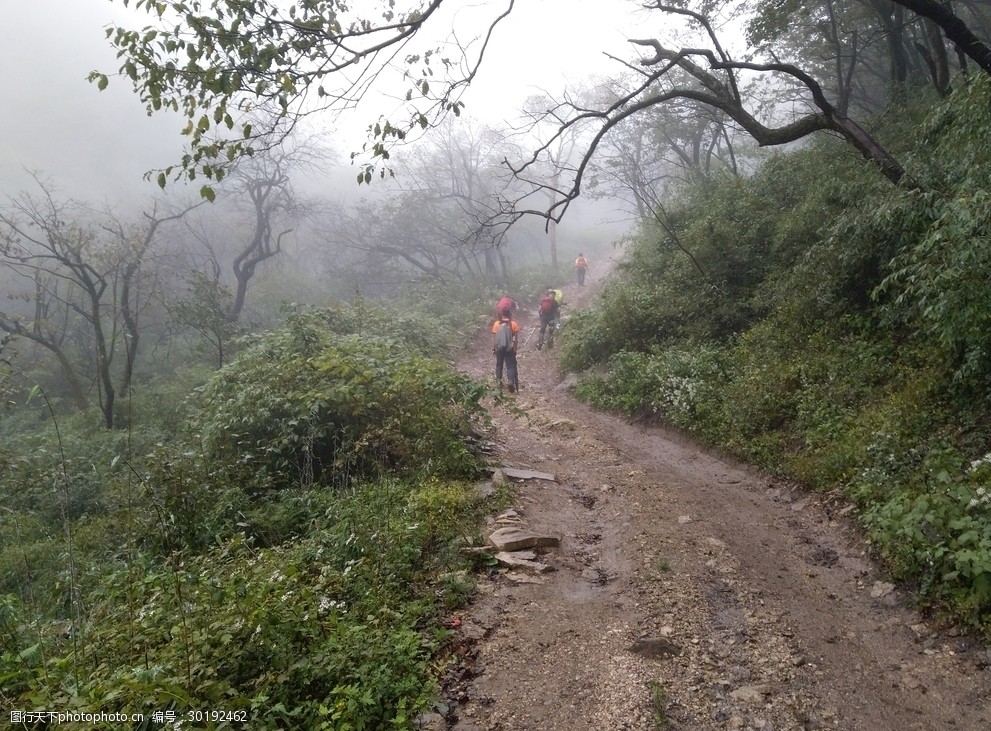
{"x":676,"y":385}
{"x":300,"y":405}
{"x":935,"y":531}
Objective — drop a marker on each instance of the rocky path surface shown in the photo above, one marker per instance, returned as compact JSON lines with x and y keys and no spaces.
{"x":688,"y":592}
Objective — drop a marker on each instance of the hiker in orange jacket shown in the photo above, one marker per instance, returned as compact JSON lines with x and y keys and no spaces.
{"x":581,"y":268}
{"x":505,"y":342}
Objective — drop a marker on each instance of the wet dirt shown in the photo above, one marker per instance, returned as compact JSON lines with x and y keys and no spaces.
{"x":687,"y":592}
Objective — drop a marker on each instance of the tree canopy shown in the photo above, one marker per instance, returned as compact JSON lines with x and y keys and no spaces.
{"x":220,"y":63}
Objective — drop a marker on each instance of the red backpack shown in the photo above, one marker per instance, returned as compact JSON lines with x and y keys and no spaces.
{"x":547,"y":305}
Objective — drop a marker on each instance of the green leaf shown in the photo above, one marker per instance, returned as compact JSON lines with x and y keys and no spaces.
{"x":207,"y":192}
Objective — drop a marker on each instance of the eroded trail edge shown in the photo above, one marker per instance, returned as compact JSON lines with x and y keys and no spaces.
{"x":689,"y":592}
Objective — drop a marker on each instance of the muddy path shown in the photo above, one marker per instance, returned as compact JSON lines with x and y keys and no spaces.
{"x":688,"y":592}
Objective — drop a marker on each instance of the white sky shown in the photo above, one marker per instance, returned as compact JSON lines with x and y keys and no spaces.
{"x":90,"y":144}
{"x":96,"y":145}
{"x":546,"y":44}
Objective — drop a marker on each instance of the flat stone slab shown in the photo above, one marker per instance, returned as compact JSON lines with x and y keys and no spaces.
{"x":473,"y":631}
{"x":515,"y":539}
{"x":528,"y":474}
{"x":524,"y":555}
{"x":881,"y":589}
{"x":517,"y":577}
{"x":516,"y":561}
{"x":508,"y":517}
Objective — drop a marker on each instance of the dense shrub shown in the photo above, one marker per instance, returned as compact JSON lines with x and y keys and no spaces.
{"x":305,"y":404}
{"x":935,"y":530}
{"x":676,"y":385}
{"x":940,"y":277}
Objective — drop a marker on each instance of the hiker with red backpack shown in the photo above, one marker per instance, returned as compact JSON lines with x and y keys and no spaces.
{"x":549,"y":309}
{"x":505,"y":342}
{"x":506,"y":302}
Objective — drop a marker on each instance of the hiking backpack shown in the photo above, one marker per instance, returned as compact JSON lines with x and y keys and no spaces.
{"x":504,"y":336}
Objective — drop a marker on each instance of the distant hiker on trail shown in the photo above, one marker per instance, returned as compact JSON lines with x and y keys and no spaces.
{"x":506,"y":302}
{"x":581,"y":268}
{"x":549,"y":310}
{"x":506,"y":332}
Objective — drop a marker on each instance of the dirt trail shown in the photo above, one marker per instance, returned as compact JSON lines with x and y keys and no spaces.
{"x":778,"y":619}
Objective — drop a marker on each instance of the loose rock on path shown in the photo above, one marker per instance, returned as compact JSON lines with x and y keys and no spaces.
{"x":687,"y":592}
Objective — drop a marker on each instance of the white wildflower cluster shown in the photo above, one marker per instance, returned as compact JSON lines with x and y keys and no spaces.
{"x":978,"y":463}
{"x":680,"y":394}
{"x":983,"y":499}
{"x":326,"y":604}
{"x":982,"y":495}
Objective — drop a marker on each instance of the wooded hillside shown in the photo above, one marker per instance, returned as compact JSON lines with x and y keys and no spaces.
{"x":237,"y":466}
